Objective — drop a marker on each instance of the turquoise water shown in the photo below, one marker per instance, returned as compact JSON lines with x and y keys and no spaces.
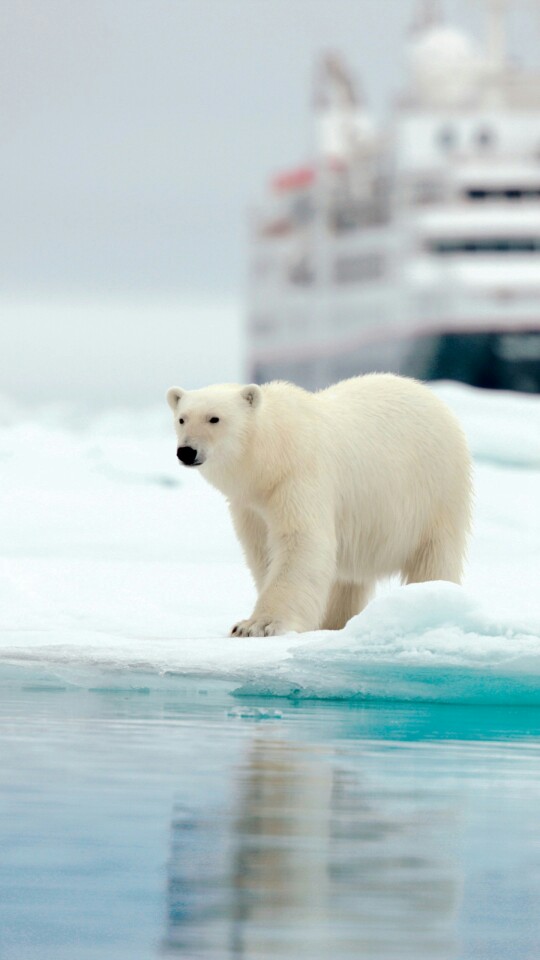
{"x":184,"y":823}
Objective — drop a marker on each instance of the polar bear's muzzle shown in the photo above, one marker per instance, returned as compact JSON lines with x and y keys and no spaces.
{"x":189,"y":456}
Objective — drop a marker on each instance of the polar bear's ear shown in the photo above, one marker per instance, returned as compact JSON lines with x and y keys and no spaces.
{"x":252,"y":393}
{"x":173,"y":396}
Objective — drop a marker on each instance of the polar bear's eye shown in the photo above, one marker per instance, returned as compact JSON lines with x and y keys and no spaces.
{"x":181,"y":420}
{"x":214,"y":420}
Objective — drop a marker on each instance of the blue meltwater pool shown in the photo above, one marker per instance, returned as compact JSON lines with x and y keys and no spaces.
{"x":145,"y":822}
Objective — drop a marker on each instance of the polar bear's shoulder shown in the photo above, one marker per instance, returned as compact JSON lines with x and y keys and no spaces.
{"x":374,"y":383}
{"x":285,"y":398}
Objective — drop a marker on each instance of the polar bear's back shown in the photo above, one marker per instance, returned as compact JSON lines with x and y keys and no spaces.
{"x":378,"y":425}
{"x":398,"y":463}
{"x":396,"y":416}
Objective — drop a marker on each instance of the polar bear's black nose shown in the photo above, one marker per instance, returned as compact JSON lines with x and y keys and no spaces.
{"x":187,"y":455}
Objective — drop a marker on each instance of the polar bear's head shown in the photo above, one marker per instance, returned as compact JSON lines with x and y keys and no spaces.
{"x":213,"y":424}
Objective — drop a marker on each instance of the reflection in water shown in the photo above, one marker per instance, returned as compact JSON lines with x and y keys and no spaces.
{"x":312,"y":859}
{"x":280,"y":870}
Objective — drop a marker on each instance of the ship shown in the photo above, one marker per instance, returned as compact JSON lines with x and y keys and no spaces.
{"x":411,"y":247}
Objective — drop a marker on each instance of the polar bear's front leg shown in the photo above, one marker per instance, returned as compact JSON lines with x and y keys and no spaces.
{"x":251,"y":531}
{"x":259,"y":628}
{"x":344,"y":602}
{"x":295,"y":594}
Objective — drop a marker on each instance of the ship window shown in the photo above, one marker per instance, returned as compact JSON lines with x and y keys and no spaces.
{"x":486,"y":245}
{"x":352,"y":269}
{"x":479,"y":194}
{"x":301,"y":271}
{"x":446,"y":138}
{"x":302,"y":209}
{"x":485,"y":138}
{"x":504,"y":193}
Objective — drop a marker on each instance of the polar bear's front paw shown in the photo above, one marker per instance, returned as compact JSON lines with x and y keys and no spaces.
{"x":259,"y":627}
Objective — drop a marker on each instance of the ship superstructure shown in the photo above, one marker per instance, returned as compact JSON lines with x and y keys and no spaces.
{"x":414,"y":248}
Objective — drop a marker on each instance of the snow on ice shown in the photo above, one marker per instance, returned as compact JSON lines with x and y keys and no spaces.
{"x":115,"y":563}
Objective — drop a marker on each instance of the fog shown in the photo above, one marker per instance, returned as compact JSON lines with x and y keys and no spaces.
{"x":134,"y":137}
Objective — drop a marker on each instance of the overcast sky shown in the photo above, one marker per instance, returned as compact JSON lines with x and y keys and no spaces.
{"x":134,"y":136}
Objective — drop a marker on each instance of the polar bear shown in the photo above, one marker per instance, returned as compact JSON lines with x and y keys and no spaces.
{"x":331,"y":491}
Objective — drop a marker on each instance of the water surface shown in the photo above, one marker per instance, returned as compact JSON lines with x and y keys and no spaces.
{"x":181,"y":822}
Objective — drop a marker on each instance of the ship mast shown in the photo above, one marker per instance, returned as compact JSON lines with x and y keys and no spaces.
{"x":496,"y":50}
{"x":496,"y":46}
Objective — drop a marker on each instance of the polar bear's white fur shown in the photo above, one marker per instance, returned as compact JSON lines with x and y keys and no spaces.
{"x":330,"y":491}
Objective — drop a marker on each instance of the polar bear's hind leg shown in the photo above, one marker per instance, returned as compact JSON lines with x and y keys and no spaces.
{"x":439,"y":557}
{"x":345,"y":601}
